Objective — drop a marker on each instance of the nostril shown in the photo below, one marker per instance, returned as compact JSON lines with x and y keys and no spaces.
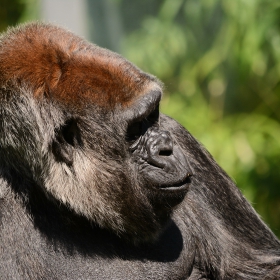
{"x":165,"y":153}
{"x":160,"y":150}
{"x":165,"y":149}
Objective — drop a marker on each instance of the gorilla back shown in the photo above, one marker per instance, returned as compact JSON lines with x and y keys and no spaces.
{"x":95,"y":183}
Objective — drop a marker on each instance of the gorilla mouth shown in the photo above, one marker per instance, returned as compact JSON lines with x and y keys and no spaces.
{"x":182,"y":185}
{"x":160,"y":180}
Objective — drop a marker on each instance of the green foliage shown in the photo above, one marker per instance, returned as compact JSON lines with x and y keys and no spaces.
{"x":30,"y":11}
{"x":10,"y":12}
{"x":220,"y":61}
{"x":14,"y":11}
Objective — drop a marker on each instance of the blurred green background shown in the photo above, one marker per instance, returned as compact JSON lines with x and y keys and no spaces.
{"x":220,"y":62}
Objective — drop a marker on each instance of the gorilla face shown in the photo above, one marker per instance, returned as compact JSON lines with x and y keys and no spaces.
{"x":158,"y":158}
{"x":84,"y":124}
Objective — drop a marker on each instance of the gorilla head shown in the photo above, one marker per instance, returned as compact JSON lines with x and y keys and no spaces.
{"x":83,"y":124}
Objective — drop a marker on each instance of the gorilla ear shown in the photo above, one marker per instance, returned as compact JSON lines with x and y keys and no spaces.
{"x":67,"y":138}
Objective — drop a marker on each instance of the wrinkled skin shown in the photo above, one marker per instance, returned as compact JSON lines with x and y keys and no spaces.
{"x":95,"y":183}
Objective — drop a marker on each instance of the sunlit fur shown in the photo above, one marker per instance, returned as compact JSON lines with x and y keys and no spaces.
{"x":65,"y":67}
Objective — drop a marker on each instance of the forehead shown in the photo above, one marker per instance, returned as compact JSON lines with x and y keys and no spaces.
{"x":54,"y":62}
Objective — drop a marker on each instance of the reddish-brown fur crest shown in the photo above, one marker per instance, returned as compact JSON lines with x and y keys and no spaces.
{"x":54,"y":62}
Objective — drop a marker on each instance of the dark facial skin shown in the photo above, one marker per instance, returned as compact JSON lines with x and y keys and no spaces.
{"x":159,"y":159}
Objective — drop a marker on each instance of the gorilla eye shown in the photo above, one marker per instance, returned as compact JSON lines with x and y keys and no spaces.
{"x":134,"y":131}
{"x":139,"y":127}
{"x":153,"y":116}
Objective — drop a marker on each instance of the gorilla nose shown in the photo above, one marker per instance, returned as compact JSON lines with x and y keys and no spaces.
{"x":159,"y":146}
{"x":169,"y":168}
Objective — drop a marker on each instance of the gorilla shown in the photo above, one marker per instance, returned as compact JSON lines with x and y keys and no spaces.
{"x":95,"y":183}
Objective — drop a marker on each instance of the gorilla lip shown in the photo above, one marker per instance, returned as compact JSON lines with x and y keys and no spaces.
{"x":179,"y":186}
